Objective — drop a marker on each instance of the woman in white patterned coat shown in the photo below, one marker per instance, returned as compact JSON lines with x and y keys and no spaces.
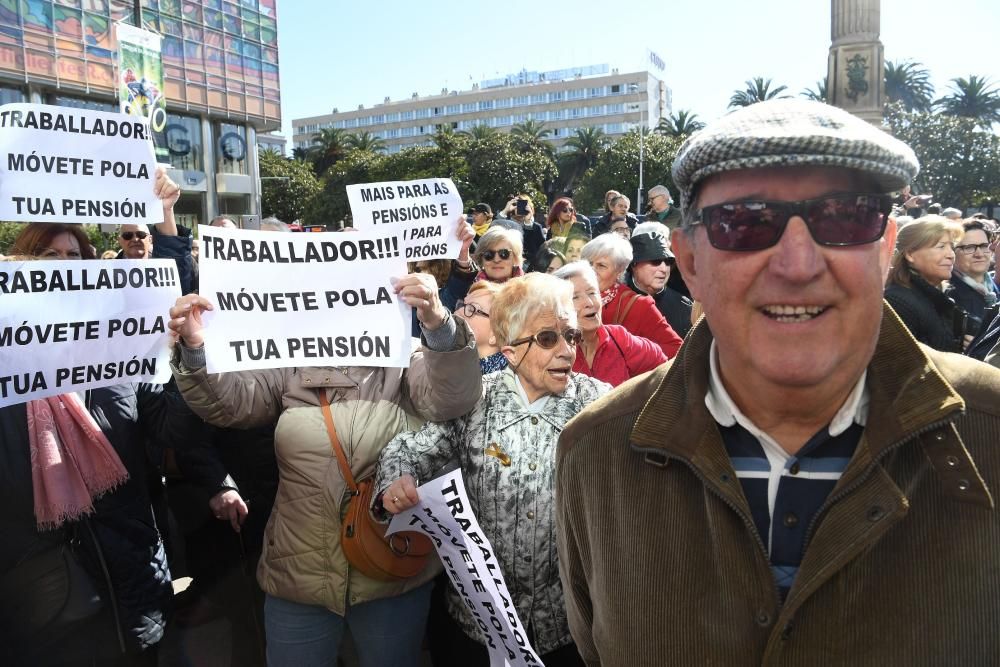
{"x":506,"y":450}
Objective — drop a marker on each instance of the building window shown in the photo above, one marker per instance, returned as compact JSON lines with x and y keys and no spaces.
{"x":538,"y":99}
{"x":392,"y":117}
{"x":423,"y":113}
{"x":521,"y":101}
{"x":408,"y":115}
{"x":616,"y":108}
{"x":11,"y":95}
{"x":183,"y":136}
{"x":453,"y":109}
{"x":437,"y":111}
{"x":504,"y":103}
{"x":616,"y":89}
{"x":575,"y":94}
{"x":556,"y":96}
{"x":232,"y":149}
{"x":469,"y":107}
{"x":597,"y":92}
{"x":485,"y":105}
{"x":77,"y":103}
{"x":576,"y":112}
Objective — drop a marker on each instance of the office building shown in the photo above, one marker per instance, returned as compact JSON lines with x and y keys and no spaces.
{"x":220,"y":64}
{"x":565,"y":100}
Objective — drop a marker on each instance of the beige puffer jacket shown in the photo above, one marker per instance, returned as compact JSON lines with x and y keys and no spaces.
{"x":302,"y":559}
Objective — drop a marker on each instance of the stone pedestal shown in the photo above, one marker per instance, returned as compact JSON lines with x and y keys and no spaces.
{"x":856,"y":69}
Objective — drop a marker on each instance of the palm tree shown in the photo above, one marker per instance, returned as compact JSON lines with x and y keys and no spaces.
{"x":300,"y":154}
{"x":679,"y":124}
{"x":818,"y":93}
{"x":480,"y":131}
{"x":974,"y":98}
{"x":909,"y":83}
{"x":364,"y":141}
{"x":757,"y":89}
{"x":531,"y":131}
{"x":584,"y":149}
{"x":329,"y":147}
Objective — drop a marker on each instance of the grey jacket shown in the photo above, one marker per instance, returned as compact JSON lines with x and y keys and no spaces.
{"x":507,"y":456}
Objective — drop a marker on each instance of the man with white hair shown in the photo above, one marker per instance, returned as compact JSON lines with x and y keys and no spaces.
{"x":805,"y":484}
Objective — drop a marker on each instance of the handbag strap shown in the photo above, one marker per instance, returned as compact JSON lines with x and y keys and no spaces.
{"x":345,"y":468}
{"x":619,"y":315}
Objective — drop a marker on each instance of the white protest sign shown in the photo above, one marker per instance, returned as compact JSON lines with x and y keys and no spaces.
{"x":290,"y":300}
{"x":60,"y":164}
{"x":445,"y":515}
{"x":71,"y":325}
{"x":422,"y":213}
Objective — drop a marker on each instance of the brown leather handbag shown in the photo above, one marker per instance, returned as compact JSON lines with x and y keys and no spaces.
{"x":402,"y":555}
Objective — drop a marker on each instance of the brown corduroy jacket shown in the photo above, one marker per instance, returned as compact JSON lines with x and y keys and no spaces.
{"x":662,"y":565}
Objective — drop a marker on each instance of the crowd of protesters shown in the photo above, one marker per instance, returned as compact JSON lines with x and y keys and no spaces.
{"x":536,"y":319}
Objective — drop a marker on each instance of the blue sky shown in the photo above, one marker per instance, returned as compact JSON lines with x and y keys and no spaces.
{"x":345,"y":53}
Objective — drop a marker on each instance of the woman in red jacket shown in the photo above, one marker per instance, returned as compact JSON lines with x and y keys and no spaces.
{"x":610,"y":255}
{"x":609,"y":352}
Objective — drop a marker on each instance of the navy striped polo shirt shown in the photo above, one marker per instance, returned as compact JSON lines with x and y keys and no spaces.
{"x":784,"y":491}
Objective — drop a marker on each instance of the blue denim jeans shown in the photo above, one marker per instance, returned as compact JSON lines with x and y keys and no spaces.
{"x":385,"y":632}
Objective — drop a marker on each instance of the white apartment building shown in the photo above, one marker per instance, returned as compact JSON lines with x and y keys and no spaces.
{"x":565,"y":100}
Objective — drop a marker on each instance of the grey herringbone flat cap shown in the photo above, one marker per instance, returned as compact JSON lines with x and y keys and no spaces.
{"x":792,"y":133}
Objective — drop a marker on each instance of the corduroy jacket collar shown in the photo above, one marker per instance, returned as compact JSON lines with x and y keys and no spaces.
{"x":909,"y":397}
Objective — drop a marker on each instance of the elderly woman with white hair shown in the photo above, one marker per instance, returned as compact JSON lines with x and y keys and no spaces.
{"x":506,"y":449}
{"x":607,"y":352}
{"x":610,"y":255}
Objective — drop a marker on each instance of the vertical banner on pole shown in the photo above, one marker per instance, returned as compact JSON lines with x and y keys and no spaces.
{"x":140,"y":81}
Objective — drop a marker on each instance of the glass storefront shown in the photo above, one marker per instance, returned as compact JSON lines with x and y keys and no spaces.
{"x":184,"y":145}
{"x":231,"y":147}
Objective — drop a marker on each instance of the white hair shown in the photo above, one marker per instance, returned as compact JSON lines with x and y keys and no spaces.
{"x":272,"y":224}
{"x":579,"y":269}
{"x":612,"y":246}
{"x":527,"y":297}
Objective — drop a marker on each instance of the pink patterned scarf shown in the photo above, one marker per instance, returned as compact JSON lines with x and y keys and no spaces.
{"x":72,"y":462}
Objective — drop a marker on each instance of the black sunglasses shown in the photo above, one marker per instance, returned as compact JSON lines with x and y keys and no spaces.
{"x":549,"y":338}
{"x":490,"y":255}
{"x":836,"y":220}
{"x":128,"y":236}
{"x":470,"y":310}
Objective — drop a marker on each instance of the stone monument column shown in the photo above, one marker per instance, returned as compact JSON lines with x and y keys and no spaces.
{"x":856,"y":69}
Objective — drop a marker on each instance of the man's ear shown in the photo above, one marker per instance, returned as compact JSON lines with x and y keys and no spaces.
{"x":682,"y":244}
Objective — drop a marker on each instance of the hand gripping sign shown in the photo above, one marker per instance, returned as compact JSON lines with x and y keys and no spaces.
{"x":292,"y":300}
{"x":422,"y":213}
{"x":444,"y":514}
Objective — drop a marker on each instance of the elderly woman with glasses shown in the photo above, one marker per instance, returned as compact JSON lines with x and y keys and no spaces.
{"x":610,"y":255}
{"x":971,"y":286}
{"x":607,"y":352}
{"x":475,"y":310}
{"x":498,"y":256}
{"x":506,"y":450}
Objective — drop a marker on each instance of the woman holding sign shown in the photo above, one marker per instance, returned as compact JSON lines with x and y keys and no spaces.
{"x":506,"y":450}
{"x":313,"y":594}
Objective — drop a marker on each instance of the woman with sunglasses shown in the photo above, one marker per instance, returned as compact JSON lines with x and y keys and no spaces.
{"x":475,"y":310}
{"x":922,"y":262}
{"x":506,"y":450}
{"x":610,"y":255}
{"x":607,"y":352}
{"x":561,"y":220}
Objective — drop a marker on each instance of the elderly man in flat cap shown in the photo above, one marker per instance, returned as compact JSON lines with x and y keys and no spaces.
{"x":804,"y":484}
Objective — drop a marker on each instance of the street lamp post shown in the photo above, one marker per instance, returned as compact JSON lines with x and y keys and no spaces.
{"x":642,"y":134}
